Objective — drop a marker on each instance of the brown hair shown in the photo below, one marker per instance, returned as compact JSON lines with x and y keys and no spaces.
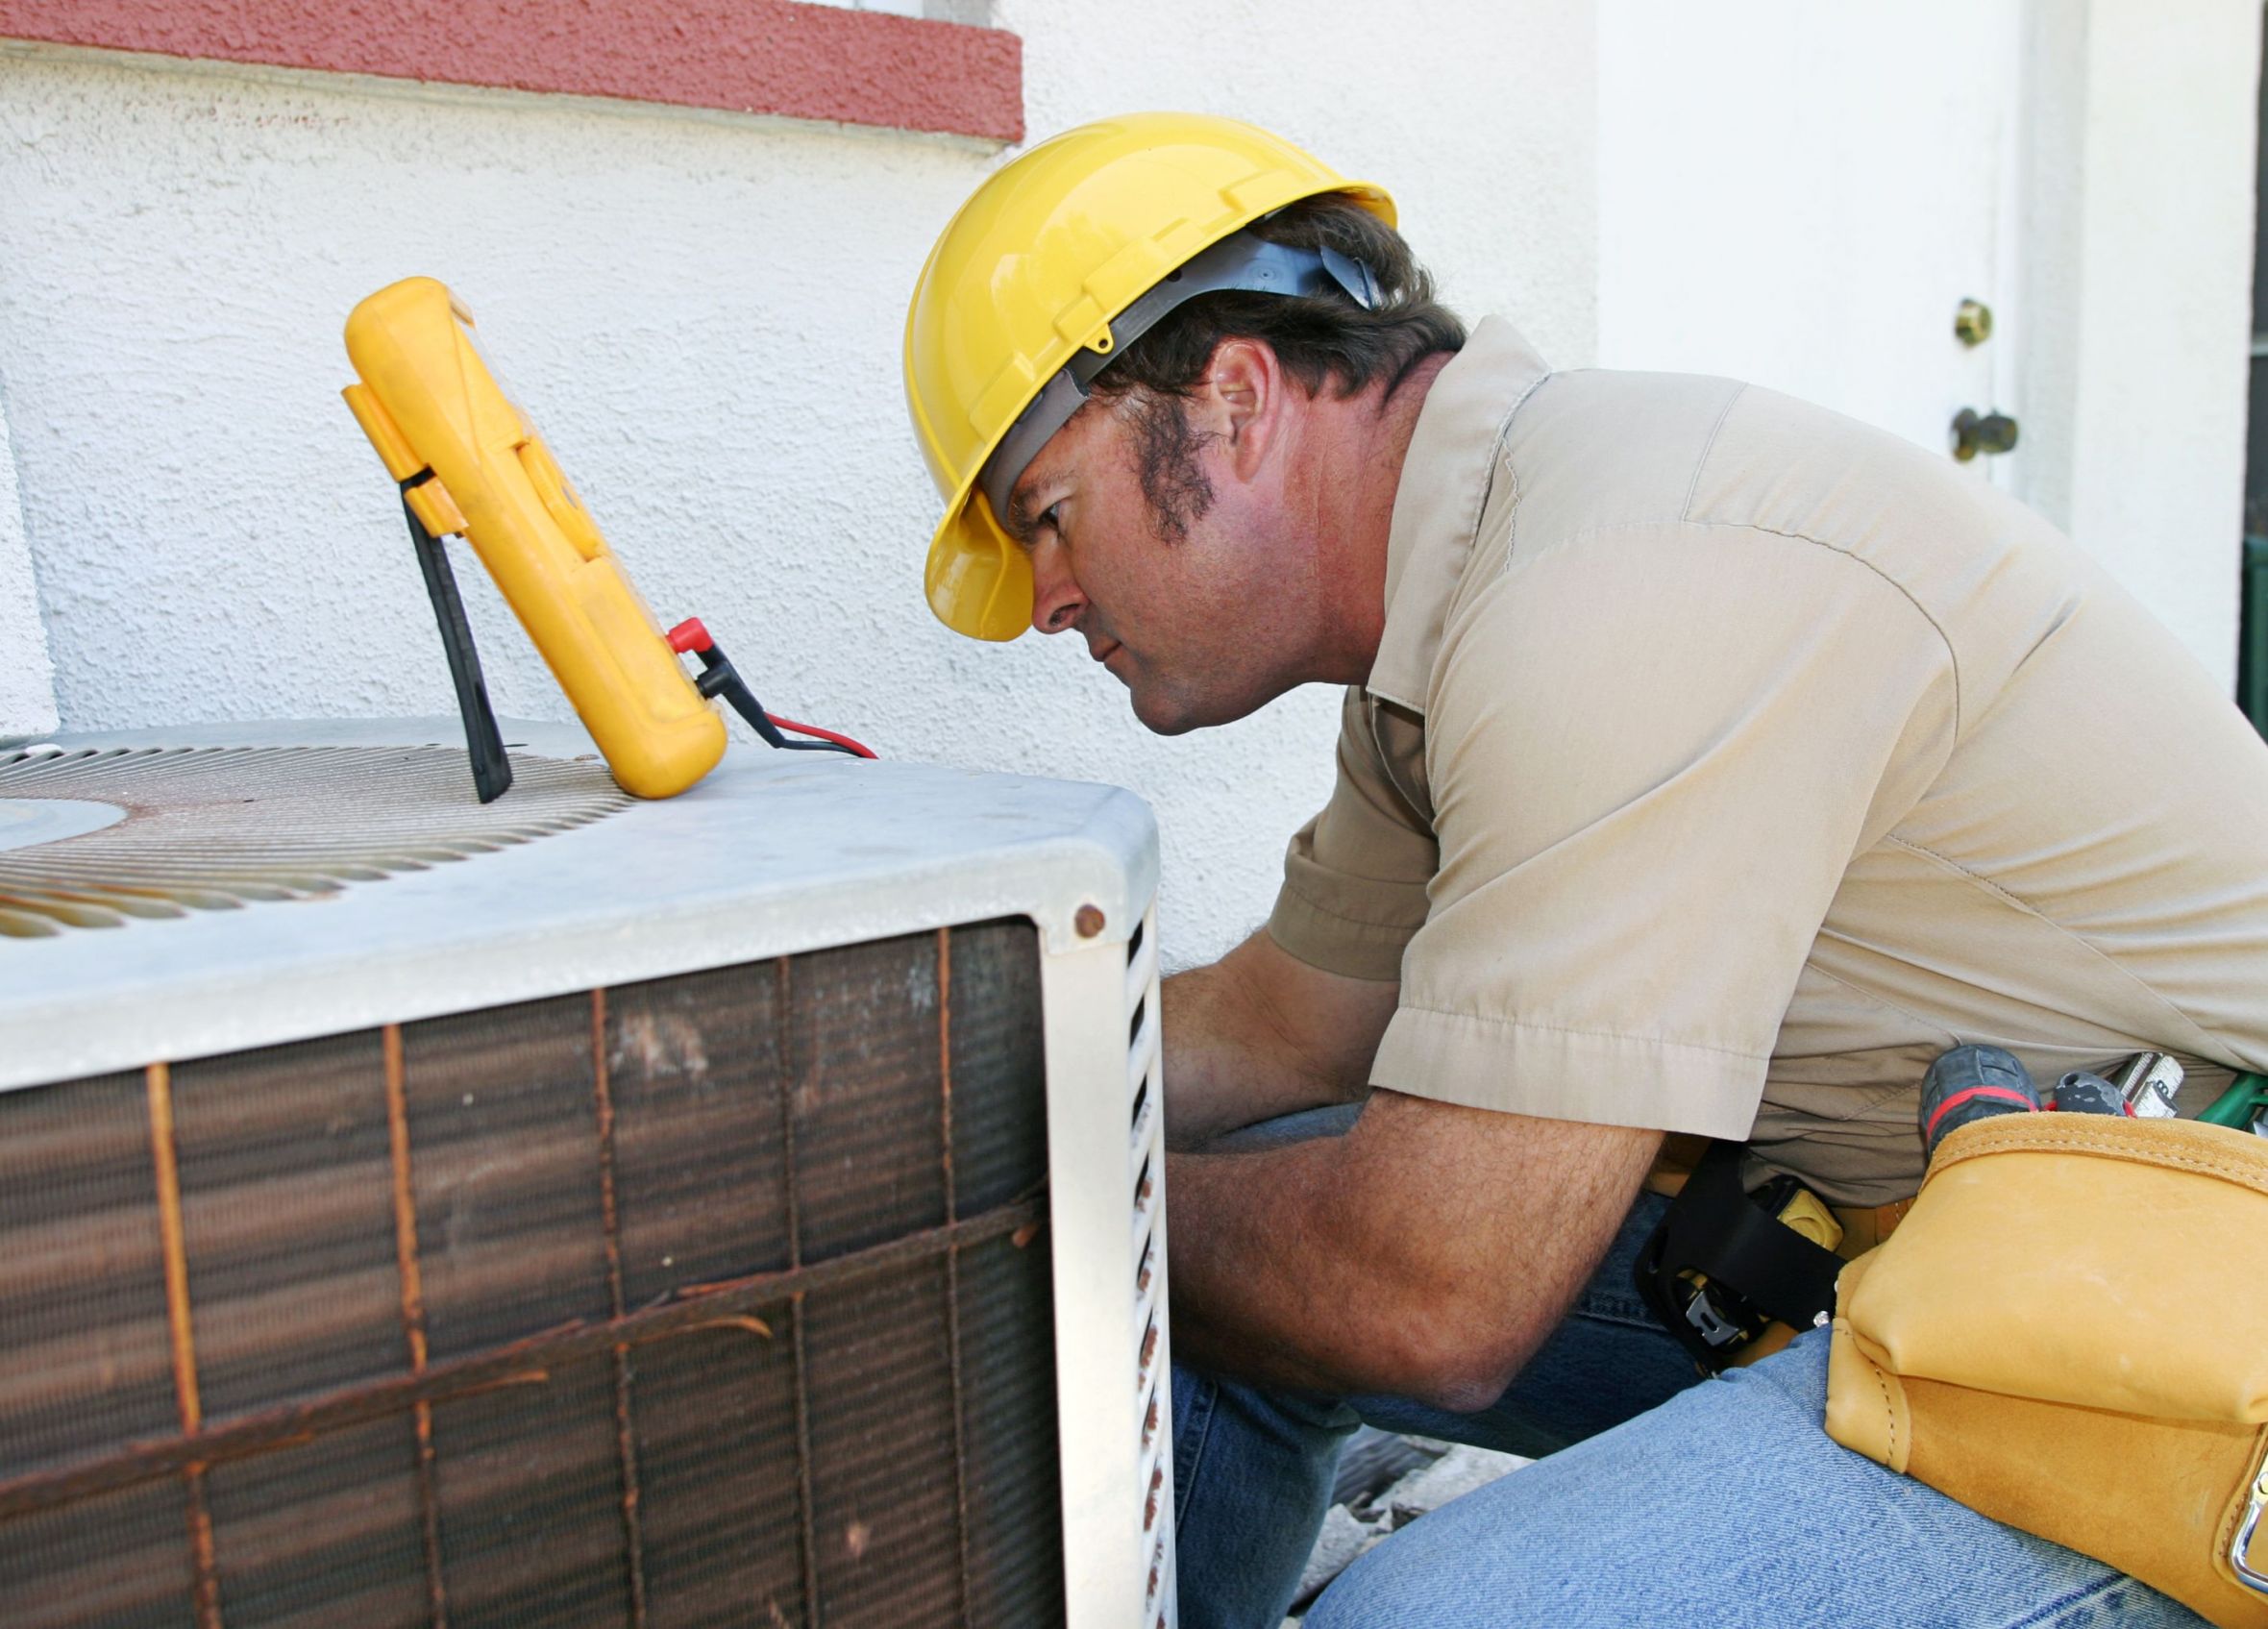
{"x":1326,"y":342}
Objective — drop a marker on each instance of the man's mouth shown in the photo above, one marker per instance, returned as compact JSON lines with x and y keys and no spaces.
{"x":1101,"y":649}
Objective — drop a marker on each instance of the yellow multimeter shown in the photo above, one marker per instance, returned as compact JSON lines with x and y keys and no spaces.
{"x":468,"y":461}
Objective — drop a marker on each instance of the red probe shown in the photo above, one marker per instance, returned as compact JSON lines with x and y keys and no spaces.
{"x":719,"y":678}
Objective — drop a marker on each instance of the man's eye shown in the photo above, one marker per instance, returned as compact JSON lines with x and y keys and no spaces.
{"x":1051,"y":519}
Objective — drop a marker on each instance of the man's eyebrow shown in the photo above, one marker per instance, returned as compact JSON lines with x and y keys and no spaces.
{"x":1021,"y":519}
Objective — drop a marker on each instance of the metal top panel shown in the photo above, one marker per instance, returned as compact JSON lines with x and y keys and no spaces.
{"x":774,"y":853}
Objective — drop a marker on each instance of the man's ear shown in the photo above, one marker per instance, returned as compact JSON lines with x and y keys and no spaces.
{"x":1242,"y":399}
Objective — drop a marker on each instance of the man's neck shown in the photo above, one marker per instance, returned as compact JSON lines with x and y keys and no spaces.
{"x":1362,"y":445}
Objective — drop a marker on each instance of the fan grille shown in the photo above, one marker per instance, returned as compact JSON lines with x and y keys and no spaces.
{"x":214,"y":828}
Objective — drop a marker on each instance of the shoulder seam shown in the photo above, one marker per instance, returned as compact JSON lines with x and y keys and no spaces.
{"x":1952,"y":655}
{"x":1498,"y":458}
{"x":1608,"y":528}
{"x":1708,"y":447}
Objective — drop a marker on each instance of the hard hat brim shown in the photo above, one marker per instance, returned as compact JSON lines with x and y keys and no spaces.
{"x":977,"y":579}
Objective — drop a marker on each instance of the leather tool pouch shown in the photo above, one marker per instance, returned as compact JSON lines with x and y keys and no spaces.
{"x":2069,"y":1333}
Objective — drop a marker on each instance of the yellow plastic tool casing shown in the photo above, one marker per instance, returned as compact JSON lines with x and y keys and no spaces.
{"x":428,"y":401}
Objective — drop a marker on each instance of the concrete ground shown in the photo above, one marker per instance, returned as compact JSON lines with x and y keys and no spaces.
{"x":1385,"y":1483}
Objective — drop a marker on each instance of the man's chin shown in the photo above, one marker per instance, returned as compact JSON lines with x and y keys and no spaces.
{"x":1175,"y":724}
{"x":1162,"y":713}
{"x":1156,"y":711}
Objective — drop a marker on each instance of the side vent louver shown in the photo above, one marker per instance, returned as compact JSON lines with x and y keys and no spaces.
{"x":1147,"y":1161}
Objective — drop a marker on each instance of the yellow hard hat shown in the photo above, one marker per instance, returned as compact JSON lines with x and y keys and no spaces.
{"x":1038,"y":281}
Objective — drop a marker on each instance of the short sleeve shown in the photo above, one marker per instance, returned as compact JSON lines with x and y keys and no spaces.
{"x":1653,"y":753}
{"x":1355,"y":877}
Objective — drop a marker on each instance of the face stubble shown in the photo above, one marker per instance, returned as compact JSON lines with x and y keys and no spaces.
{"x":1175,"y":573}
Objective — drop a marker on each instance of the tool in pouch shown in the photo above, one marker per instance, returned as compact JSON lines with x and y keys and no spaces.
{"x":2244,"y":1104}
{"x":2101,"y":1386}
{"x":1972,"y":1082}
{"x":1734,"y":1274}
{"x":469,"y":463}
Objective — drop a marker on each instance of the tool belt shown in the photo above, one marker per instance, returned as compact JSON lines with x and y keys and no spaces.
{"x":2069,"y":1333}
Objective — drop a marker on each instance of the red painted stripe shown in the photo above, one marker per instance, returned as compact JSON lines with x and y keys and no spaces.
{"x":746,"y":56}
{"x":1996,"y":1094}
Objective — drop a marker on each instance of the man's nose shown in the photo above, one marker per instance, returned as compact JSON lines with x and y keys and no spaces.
{"x":1055,"y":597}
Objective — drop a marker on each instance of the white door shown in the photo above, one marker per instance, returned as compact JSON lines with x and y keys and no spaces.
{"x":1803,"y":195}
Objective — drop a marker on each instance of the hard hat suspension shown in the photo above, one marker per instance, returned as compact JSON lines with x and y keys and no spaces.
{"x":1243,"y":262}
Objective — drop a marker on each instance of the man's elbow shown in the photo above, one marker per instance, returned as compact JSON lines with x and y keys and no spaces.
{"x":1452,"y":1359}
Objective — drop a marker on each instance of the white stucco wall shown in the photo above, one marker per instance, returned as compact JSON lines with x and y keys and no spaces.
{"x":703,"y":315}
{"x":27,"y":677}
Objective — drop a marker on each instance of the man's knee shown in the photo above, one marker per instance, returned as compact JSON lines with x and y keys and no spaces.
{"x":1463,"y":1565}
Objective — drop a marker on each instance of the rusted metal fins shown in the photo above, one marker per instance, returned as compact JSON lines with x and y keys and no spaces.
{"x":719,"y":1297}
{"x":533,"y":1360}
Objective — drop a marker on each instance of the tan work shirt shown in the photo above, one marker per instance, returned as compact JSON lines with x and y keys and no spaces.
{"x":1725,"y":760}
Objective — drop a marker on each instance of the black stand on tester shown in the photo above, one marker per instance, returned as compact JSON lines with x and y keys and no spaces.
{"x":492,"y":769}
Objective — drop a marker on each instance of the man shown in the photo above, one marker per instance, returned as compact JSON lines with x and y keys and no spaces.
{"x":1708,"y":764}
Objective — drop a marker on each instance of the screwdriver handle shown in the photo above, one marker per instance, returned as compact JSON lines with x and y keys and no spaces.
{"x":2237,"y":1105}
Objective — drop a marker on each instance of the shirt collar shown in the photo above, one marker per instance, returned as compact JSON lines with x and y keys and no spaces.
{"x":1437,"y":504}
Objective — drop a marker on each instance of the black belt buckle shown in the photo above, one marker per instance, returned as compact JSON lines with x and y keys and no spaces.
{"x":1721,"y":1265}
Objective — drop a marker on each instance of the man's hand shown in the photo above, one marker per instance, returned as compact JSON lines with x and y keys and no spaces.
{"x":1427,"y":1253}
{"x":1259,"y":1034}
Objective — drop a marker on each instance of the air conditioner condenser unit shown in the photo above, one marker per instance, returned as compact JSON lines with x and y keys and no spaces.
{"x":743,"y":1209}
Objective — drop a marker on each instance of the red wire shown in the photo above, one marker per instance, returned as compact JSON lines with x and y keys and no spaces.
{"x":823,"y":734}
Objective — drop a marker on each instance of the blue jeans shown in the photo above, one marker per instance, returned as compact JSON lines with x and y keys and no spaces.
{"x":1665,"y":1501}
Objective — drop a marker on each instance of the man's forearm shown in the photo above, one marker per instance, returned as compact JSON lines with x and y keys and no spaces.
{"x":1222,"y":1069}
{"x":1261,"y":1288}
{"x":1257,"y":1035}
{"x":1427,"y":1253}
